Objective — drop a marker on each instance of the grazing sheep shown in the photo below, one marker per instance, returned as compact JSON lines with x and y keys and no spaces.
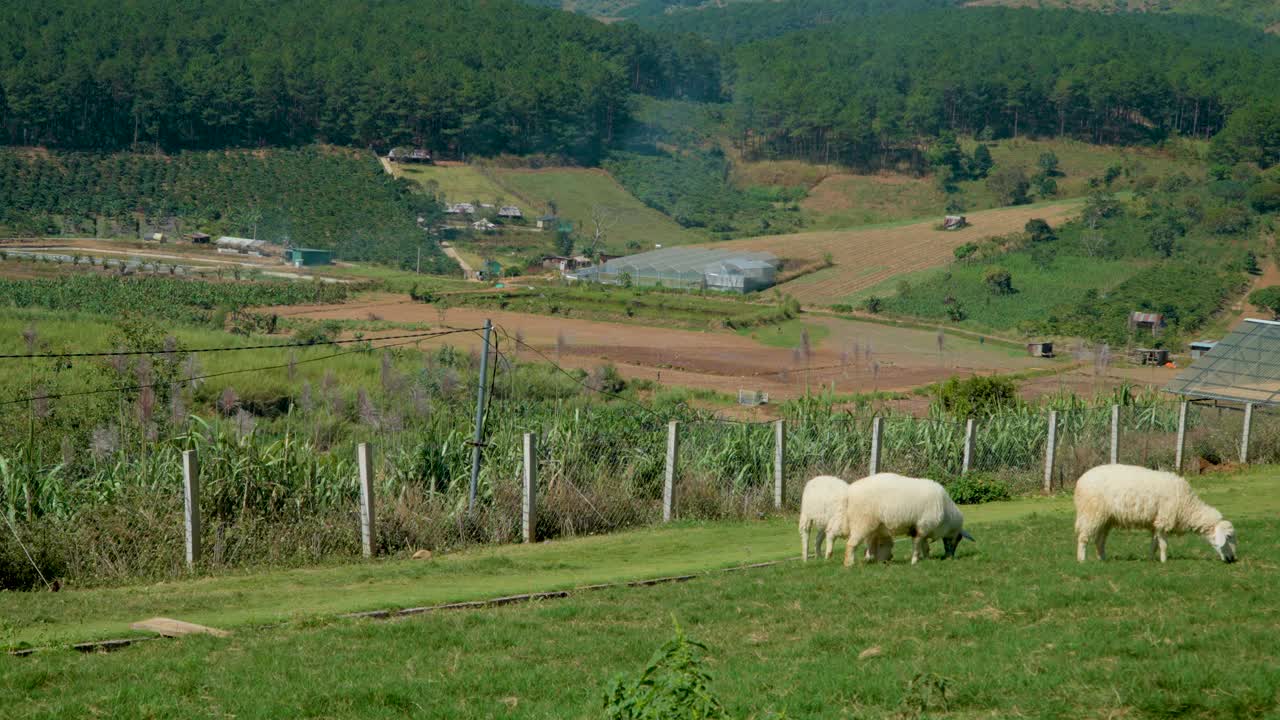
{"x":822,"y":505}
{"x":1131,"y":497}
{"x":886,"y":504}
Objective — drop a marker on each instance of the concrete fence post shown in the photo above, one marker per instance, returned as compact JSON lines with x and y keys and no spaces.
{"x":1244,"y":433}
{"x":191,"y":505}
{"x":668,"y":485}
{"x":967,"y":463}
{"x":1182,"y":437}
{"x":529,"y":505}
{"x":779,"y":460}
{"x":877,"y":435}
{"x":1050,"y":451}
{"x":1115,"y":434}
{"x":368,"y":530}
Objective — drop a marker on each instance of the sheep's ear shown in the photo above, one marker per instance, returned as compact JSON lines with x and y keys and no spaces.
{"x":965,"y":534}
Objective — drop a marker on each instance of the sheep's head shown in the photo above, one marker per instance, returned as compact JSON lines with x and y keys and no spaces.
{"x":949,"y":544}
{"x":1223,"y":539}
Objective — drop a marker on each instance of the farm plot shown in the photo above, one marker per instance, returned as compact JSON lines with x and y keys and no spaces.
{"x":867,"y":257}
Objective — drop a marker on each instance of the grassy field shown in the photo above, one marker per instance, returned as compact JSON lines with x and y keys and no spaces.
{"x":1013,"y":627}
{"x":576,"y":192}
{"x":787,"y":334}
{"x":460,"y":183}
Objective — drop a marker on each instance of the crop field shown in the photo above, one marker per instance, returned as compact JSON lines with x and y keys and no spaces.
{"x":864,"y":258}
{"x":855,"y":356}
{"x":1013,"y":627}
{"x":458,"y":183}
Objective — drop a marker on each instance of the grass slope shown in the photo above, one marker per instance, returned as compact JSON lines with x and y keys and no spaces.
{"x":1013,"y":627}
{"x":246,"y":599}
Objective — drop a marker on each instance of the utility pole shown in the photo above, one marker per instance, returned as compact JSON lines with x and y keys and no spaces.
{"x":477,"y":445}
{"x":418,"y":269}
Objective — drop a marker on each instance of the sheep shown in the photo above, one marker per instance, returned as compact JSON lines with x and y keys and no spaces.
{"x":886,"y":504}
{"x":1131,"y":497}
{"x":822,"y":505}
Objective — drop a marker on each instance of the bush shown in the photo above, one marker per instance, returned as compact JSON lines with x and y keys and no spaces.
{"x":674,"y":686}
{"x":976,"y":396}
{"x":977,"y":488}
{"x":873,"y":304}
{"x":965,"y":250}
{"x":999,"y":281}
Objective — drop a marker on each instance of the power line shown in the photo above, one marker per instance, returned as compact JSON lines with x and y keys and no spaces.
{"x":126,"y":353}
{"x":129,"y":388}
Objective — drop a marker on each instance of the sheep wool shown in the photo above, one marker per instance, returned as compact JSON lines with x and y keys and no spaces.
{"x":1135,"y":498}
{"x":822,"y":506}
{"x":887,"y":505}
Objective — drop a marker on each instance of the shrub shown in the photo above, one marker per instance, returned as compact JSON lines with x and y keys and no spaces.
{"x":675,"y":684}
{"x":976,"y":396}
{"x":965,"y":250}
{"x":999,"y":281}
{"x":977,"y":488}
{"x":873,"y":304}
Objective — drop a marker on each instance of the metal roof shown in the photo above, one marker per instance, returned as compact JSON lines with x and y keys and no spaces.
{"x":1144,"y":317}
{"x":1242,"y":367}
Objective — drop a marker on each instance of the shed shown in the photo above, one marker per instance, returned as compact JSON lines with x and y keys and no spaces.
{"x":409,"y":155}
{"x":954,"y":222}
{"x":199,"y":238}
{"x":484,"y":224}
{"x":547,"y":222}
{"x":1200,"y":347}
{"x":510,"y":211}
{"x":1149,"y":356}
{"x":1146,"y":321}
{"x":1040,"y":349}
{"x":239,"y":244}
{"x":306,"y":257}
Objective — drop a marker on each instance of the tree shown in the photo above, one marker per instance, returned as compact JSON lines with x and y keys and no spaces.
{"x":946,"y":153}
{"x":1048,"y":163}
{"x":1046,"y":187}
{"x":1265,"y":196}
{"x":1100,"y":206}
{"x":999,"y":281}
{"x":1009,"y":185}
{"x":981,"y":163}
{"x":564,"y":243}
{"x":602,"y":221}
{"x":1252,"y":134}
{"x":1269,"y":298}
{"x":1040,"y":231}
{"x":1164,"y":235}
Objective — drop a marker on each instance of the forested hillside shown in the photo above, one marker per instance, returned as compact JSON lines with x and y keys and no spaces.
{"x":858,"y":93}
{"x":462,"y":76}
{"x":314,"y":197}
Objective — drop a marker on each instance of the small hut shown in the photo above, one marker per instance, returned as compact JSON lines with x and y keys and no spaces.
{"x":1146,"y":321}
{"x":1040,"y":349}
{"x":1200,"y":347}
{"x":954,"y":222}
{"x":1149,"y":356}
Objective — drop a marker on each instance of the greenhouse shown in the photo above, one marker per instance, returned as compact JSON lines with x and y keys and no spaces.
{"x":1242,"y":367}
{"x":690,"y":268}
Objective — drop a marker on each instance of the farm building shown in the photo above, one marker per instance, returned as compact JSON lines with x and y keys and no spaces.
{"x":239,"y":244}
{"x":483,"y":224}
{"x":689,"y":268}
{"x":1243,"y":367}
{"x":198,"y":237}
{"x":1146,"y":321}
{"x":547,"y":222}
{"x":304,"y":257}
{"x":460,"y":209}
{"x":510,"y":211}
{"x":1040,"y":349}
{"x":409,"y":155}
{"x":954,"y":222}
{"x":1200,"y":347}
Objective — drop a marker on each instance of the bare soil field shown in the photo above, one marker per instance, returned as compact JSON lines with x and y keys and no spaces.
{"x":865,"y":258}
{"x":856,"y":356}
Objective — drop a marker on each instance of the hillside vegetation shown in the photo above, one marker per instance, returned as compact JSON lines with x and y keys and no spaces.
{"x":467,"y":76}
{"x":313,"y":197}
{"x":867,"y":94}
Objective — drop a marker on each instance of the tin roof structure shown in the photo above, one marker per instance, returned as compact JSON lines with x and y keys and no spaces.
{"x":1242,"y":367}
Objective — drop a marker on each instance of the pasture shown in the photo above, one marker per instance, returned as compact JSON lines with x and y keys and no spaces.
{"x":866,"y":257}
{"x":1013,"y":627}
{"x":458,"y":183}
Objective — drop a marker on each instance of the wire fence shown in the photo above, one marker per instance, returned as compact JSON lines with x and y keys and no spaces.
{"x":290,"y":493}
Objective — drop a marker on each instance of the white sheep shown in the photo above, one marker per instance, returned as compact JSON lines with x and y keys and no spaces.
{"x":822,"y":505}
{"x":886,"y":504}
{"x":1131,"y":497}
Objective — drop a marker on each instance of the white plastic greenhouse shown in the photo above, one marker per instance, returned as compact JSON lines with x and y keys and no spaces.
{"x":690,"y":268}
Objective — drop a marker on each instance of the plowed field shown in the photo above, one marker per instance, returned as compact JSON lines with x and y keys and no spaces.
{"x":867,"y":257}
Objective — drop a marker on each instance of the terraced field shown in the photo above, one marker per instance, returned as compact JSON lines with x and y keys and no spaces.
{"x":867,"y":257}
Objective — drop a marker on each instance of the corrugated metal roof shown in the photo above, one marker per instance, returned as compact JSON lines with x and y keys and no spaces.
{"x":1146,"y":317}
{"x":1242,"y":367}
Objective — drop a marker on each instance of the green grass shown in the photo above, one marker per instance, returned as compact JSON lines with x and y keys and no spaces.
{"x":787,"y":334}
{"x":458,"y":183}
{"x":576,"y":192}
{"x":1013,"y":627}
{"x":1039,"y":291}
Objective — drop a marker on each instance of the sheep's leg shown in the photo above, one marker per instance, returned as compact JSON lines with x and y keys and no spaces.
{"x":1155,"y":544}
{"x":919,"y":548}
{"x":804,"y":542}
{"x":854,"y":539}
{"x":1164,"y":546}
{"x":828,"y":545}
{"x":1100,"y":543}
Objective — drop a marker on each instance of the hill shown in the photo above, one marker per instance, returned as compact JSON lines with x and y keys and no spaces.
{"x":315,"y":197}
{"x":297,"y":71}
{"x":1262,"y":14}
